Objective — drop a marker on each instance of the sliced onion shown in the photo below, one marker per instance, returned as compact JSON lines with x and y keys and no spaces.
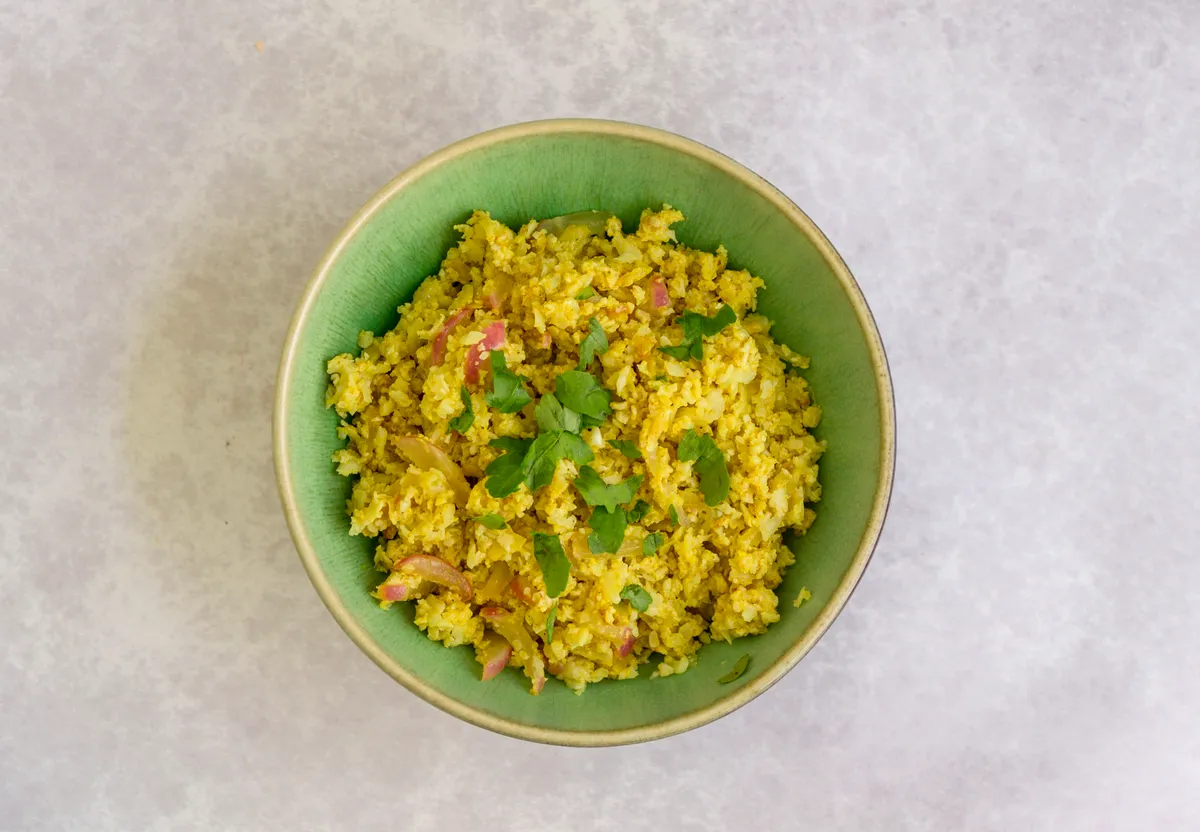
{"x":501,"y":289}
{"x":511,"y":628}
{"x":434,"y":569}
{"x":499,"y":579}
{"x":593,"y":221}
{"x":494,"y":336}
{"x":393,"y":592}
{"x":520,"y":588}
{"x":424,"y":454}
{"x":622,"y":635}
{"x":494,"y":657}
{"x":439,"y":342}
{"x":658,"y":294}
{"x":626,"y":646}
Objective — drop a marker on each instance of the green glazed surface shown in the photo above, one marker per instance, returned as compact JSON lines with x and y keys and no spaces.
{"x":542,"y":170}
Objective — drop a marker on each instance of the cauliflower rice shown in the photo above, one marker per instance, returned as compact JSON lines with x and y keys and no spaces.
{"x":686,"y":572}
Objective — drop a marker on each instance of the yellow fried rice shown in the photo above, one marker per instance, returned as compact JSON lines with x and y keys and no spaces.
{"x":714,"y":576}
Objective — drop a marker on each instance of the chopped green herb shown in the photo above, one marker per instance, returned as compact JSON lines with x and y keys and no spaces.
{"x":638,"y":511}
{"x":679,"y":353}
{"x":596,"y":492}
{"x":553,"y":561}
{"x":696,"y":328}
{"x":738,"y":670}
{"x":588,"y":292}
{"x":592,"y":421}
{"x":508,"y":394}
{"x":463,"y":421}
{"x":551,"y":617}
{"x":551,"y":415}
{"x":697,"y":324}
{"x":609,"y":528}
{"x":652,"y":543}
{"x":660,"y":377}
{"x":582,"y":393}
{"x":594,"y":343}
{"x":492,"y":521}
{"x":539,"y":464}
{"x":709,"y":464}
{"x":637,"y":597}
{"x":505,"y":474}
{"x":629,"y":449}
{"x":595,"y":545}
{"x":673,"y":514}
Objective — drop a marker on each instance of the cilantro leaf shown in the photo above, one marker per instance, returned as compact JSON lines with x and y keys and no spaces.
{"x":594,"y":343}
{"x":629,"y":449}
{"x":508,"y":394}
{"x":652,"y":543}
{"x":609,"y":529}
{"x":592,"y":421}
{"x":551,"y":617}
{"x":463,"y":421}
{"x":511,"y":444}
{"x":588,"y":292}
{"x":576,"y":449}
{"x":694,"y":322}
{"x":637,"y":597}
{"x":738,"y":670}
{"x":551,"y":415}
{"x":696,"y":328}
{"x":504,"y":474}
{"x":545,"y":453}
{"x":638,"y":511}
{"x":582,"y":393}
{"x":673,"y":514}
{"x":553,"y":562}
{"x":595,"y":545}
{"x":596,"y":492}
{"x":709,"y":463}
{"x":492,"y":521}
{"x":680,"y":353}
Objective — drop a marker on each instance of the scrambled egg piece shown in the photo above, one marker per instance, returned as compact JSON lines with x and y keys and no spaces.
{"x":715,"y":572}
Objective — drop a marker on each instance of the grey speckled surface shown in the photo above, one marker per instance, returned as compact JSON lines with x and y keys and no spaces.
{"x":1017,"y":187}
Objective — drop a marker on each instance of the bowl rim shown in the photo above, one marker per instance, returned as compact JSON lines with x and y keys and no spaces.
{"x":858,"y":564}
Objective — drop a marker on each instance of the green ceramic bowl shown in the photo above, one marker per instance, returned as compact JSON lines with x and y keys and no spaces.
{"x":539,"y":170}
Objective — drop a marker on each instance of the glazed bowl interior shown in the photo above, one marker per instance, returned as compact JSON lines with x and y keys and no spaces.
{"x":543,"y":170}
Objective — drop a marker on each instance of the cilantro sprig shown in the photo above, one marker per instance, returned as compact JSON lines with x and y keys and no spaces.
{"x":608,"y":520}
{"x":552,"y":560}
{"x":628,"y":449}
{"x":594,"y":343}
{"x":508,"y":393}
{"x":709,"y":463}
{"x":696,"y":328}
{"x":652,"y":543}
{"x":545,"y":452}
{"x":637,"y":597}
{"x":492,"y":521}
{"x":463,"y":421}
{"x":582,"y":393}
{"x":505,"y":473}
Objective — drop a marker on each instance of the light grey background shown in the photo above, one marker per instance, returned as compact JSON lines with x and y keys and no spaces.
{"x":1015,"y":186}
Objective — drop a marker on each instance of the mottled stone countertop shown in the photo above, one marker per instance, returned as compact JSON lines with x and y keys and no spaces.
{"x":1016,"y":187}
